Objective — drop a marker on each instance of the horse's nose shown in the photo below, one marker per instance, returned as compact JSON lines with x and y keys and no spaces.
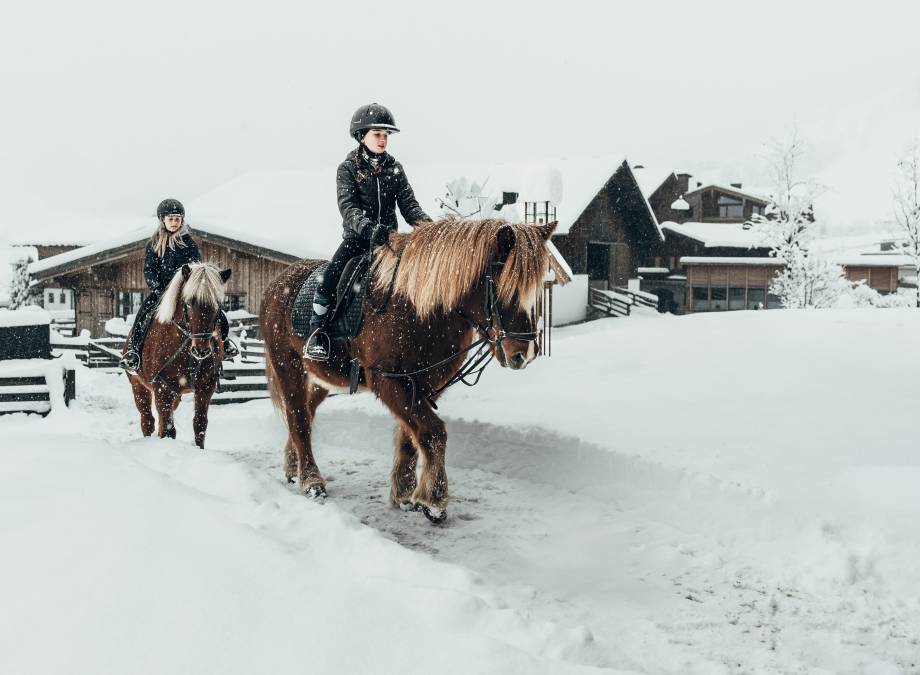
{"x":518,"y":361}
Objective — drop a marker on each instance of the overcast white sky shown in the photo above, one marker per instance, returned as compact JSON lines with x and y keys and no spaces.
{"x":109,"y":106}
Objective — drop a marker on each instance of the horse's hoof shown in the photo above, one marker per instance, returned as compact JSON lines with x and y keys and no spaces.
{"x":408,"y":505}
{"x":315,"y":492}
{"x":436,"y":516}
{"x":290,"y":479}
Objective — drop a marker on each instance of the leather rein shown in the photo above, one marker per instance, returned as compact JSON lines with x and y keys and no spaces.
{"x":493,"y":333}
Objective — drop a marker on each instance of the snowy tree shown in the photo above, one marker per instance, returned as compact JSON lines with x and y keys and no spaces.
{"x":21,"y":293}
{"x":469,"y":199}
{"x":788,"y":226}
{"x":907,"y":205}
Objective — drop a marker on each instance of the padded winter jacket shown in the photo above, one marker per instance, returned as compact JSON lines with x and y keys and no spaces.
{"x":158,"y":272}
{"x":367,"y":197}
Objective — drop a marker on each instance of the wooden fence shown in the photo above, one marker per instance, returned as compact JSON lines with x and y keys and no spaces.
{"x":31,"y":393}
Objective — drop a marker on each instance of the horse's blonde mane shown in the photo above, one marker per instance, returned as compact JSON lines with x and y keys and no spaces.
{"x":441,"y":262}
{"x":204,"y":286}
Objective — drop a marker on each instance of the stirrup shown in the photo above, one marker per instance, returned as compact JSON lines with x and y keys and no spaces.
{"x":231,"y":351}
{"x":130,"y":362}
{"x":318,"y":346}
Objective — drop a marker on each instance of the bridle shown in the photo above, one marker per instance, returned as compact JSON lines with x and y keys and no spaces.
{"x":492,"y":333}
{"x":188,"y":337}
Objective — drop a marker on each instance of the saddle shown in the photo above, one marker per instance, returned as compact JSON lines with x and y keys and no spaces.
{"x":348,"y":313}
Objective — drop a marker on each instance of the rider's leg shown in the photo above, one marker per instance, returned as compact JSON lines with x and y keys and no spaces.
{"x":325,"y":293}
{"x":131,"y":361}
{"x":316,"y":347}
{"x":230,"y":349}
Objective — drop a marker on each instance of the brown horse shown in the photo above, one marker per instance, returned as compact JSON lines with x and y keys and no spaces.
{"x":434,"y":292}
{"x":183,"y":350}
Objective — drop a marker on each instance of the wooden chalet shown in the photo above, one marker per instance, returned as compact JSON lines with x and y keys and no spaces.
{"x":107,"y":278}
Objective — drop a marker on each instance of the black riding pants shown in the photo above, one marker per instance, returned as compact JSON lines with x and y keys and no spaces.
{"x":145,"y":316}
{"x":348,"y":249}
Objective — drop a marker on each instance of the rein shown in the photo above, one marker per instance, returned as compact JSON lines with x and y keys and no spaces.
{"x":188,"y":336}
{"x":476,"y":364}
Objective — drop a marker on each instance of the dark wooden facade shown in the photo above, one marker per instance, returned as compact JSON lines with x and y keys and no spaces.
{"x":107,"y":283}
{"x":882,"y":279}
{"x":613,"y":234}
{"x":713,"y":287}
{"x":719,"y":204}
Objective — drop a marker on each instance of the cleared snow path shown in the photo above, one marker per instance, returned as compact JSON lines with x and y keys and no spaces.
{"x":639,"y":555}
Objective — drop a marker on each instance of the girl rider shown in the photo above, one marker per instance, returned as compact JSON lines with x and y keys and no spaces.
{"x":170,"y":247}
{"x":370,"y":184}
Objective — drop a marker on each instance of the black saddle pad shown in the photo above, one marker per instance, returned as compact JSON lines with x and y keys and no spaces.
{"x":348,"y":313}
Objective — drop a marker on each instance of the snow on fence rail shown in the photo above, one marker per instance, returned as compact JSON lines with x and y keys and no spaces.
{"x":242,"y":380}
{"x":25,"y":386}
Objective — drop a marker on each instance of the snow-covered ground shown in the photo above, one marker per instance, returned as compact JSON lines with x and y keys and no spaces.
{"x":714,"y":493}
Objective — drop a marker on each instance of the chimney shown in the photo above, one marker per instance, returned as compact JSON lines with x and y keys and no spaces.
{"x":737,"y":186}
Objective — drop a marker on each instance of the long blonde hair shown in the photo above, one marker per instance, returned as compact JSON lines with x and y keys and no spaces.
{"x":162,"y":238}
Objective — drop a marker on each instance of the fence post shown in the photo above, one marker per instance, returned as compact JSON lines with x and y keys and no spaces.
{"x":70,"y":385}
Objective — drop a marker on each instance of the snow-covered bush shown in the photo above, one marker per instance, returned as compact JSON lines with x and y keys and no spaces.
{"x":787,"y":226}
{"x":470,"y":199}
{"x":907,"y":206}
{"x":21,"y":291}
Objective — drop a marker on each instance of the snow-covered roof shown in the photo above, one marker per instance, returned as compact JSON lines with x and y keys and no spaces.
{"x":128,"y":238}
{"x":880,"y":260}
{"x":760,"y":194}
{"x":650,"y":179}
{"x":573,"y":181}
{"x":717,"y":235}
{"x":728,"y":260}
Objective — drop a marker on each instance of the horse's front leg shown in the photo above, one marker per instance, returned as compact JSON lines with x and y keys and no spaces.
{"x":142,"y":398}
{"x":429,"y":435}
{"x":165,"y":401}
{"x":202,"y":402}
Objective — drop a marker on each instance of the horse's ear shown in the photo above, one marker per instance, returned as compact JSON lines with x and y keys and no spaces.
{"x":225,"y":274}
{"x":546,"y":231}
{"x":506,"y":239}
{"x":186,"y":272}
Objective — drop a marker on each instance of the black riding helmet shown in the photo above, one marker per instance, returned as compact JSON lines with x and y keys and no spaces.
{"x":170,"y":207}
{"x":371,"y":116}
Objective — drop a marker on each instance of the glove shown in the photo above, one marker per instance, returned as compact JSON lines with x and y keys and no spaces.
{"x":380,"y":235}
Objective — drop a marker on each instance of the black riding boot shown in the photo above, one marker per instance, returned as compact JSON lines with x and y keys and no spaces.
{"x":317,"y":346}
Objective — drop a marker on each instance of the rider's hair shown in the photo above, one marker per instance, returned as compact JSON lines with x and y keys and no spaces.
{"x":162,"y":238}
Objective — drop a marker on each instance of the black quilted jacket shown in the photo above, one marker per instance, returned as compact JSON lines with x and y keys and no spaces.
{"x":158,"y":272}
{"x":367,"y":197}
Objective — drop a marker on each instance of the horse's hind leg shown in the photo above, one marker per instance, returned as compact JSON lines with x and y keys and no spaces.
{"x":142,"y":398}
{"x":298,"y":412}
{"x":315,"y":396}
{"x":402,"y":479}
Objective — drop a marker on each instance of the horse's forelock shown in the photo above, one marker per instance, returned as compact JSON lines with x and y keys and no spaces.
{"x":441,"y":262}
{"x":203,"y":286}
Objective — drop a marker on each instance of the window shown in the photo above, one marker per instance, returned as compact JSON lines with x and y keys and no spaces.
{"x":700,"y":299}
{"x":736,"y":298}
{"x":729,"y":207}
{"x":129,"y":302}
{"x":61,"y":298}
{"x":757,"y":209}
{"x":773,"y":302}
{"x":50,"y":298}
{"x":719,"y":299}
{"x":755,"y":298}
{"x":232,"y":302}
